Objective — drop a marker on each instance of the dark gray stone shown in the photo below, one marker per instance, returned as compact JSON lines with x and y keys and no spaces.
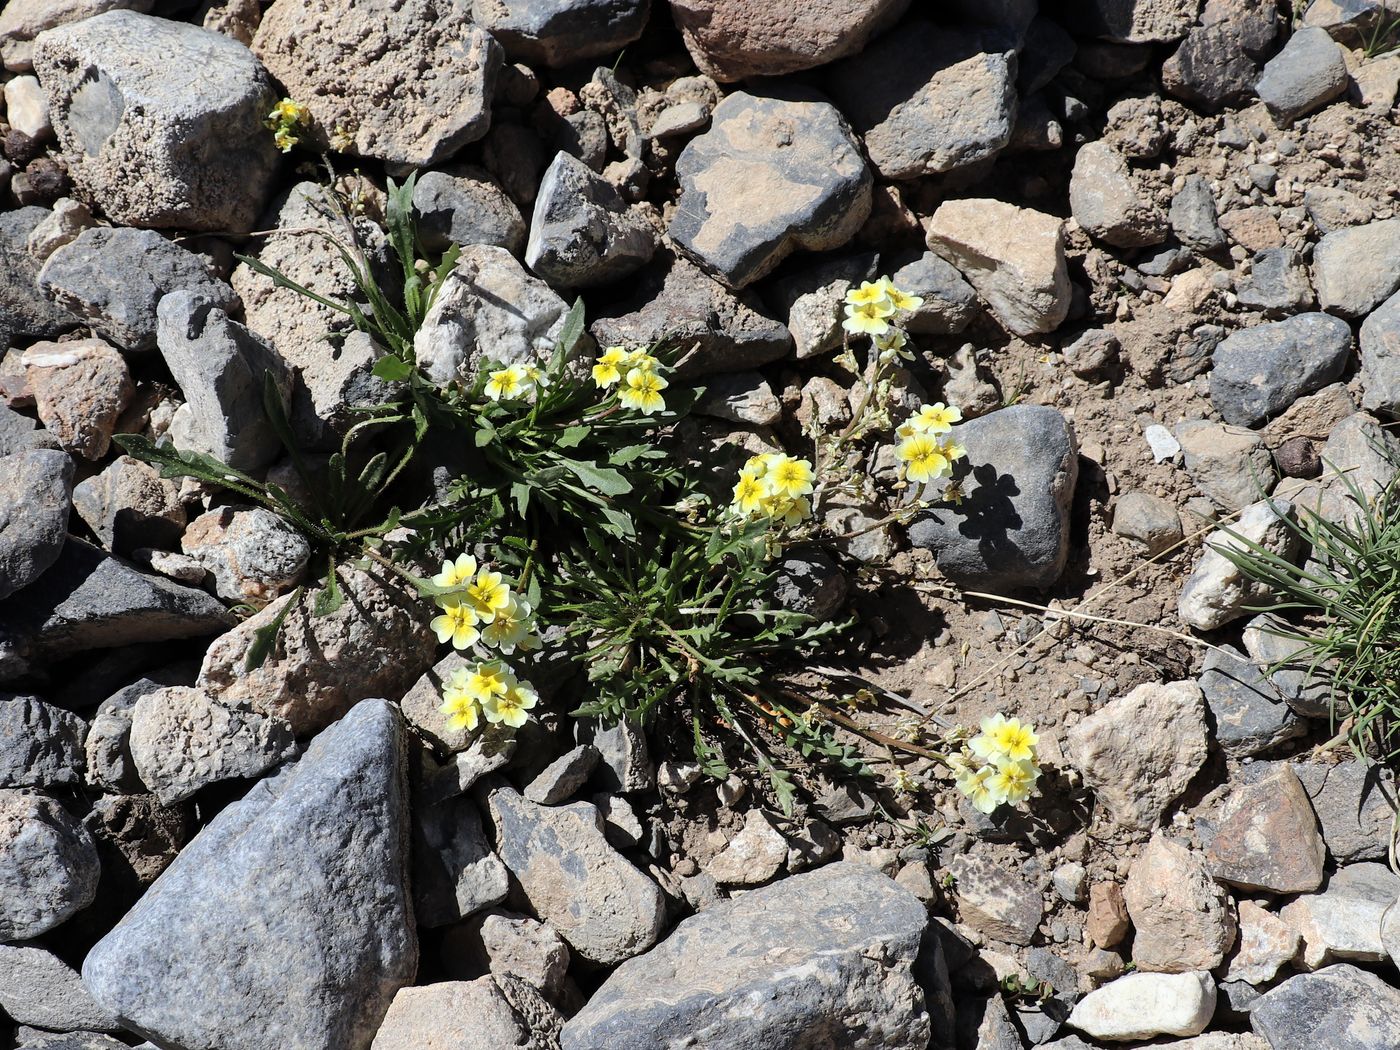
{"x":561,"y":32}
{"x":810,"y":582}
{"x":1047,"y":50}
{"x":18,"y":433}
{"x":805,"y":185}
{"x":1012,"y":528}
{"x":1355,"y":805}
{"x":1277,"y":283}
{"x":1350,"y":22}
{"x":48,"y":866}
{"x":287,"y":922}
{"x":114,"y":277}
{"x":1219,"y":61}
{"x":38,"y":988}
{"x":1132,"y":21}
{"x":1356,"y":268}
{"x":624,"y":755}
{"x":455,"y":874}
{"x":950,"y":304}
{"x":36,"y":498}
{"x":1260,"y":371}
{"x":928,"y":99}
{"x":723,"y":979}
{"x":558,"y":781}
{"x":1194,"y":218}
{"x":462,"y":205}
{"x":1339,"y":1007}
{"x":40,"y":745}
{"x":1249,"y":713}
{"x":1307,"y":74}
{"x":25,"y":313}
{"x":1380,"y":358}
{"x":34,"y":1039}
{"x":582,"y":233}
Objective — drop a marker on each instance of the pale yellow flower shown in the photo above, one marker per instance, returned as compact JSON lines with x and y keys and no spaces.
{"x":749,"y":494}
{"x":456,"y":623}
{"x":894,"y":343}
{"x":898,"y":299}
{"x":922,"y":458}
{"x":457,"y":572}
{"x":480,"y":683}
{"x":462,"y":711}
{"x":1007,"y":738}
{"x":512,"y":706}
{"x":870,"y":293}
{"x":789,"y":478}
{"x":937,"y":418}
{"x":510,"y":627}
{"x":488,"y":595}
{"x":788,"y":510}
{"x":868,"y":319}
{"x":1013,"y":781}
{"x":952,"y":449}
{"x":607,"y":371}
{"x":506,"y":384}
{"x":643,"y":391}
{"x":643,"y":360}
{"x":975,"y":784}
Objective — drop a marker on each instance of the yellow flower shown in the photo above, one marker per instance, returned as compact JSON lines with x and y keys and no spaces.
{"x":922,"y":458}
{"x":462,"y":711}
{"x":757,"y":467}
{"x":867,"y":319}
{"x":975,"y":784}
{"x":535,"y":377}
{"x":870,"y":293}
{"x":937,"y":418}
{"x":480,"y":683}
{"x":506,"y":383}
{"x":643,"y":392}
{"x":341,"y":139}
{"x":899,"y":300}
{"x":1012,"y":782}
{"x":511,"y":627}
{"x":488,"y":595}
{"x":608,"y":369}
{"x":288,"y":112}
{"x":893,"y":343}
{"x":749,"y":494}
{"x":457,"y":622}
{"x":455,"y":573}
{"x":511,"y":707}
{"x":643,"y":360}
{"x":284,"y":140}
{"x":788,"y":477}
{"x":789,"y":511}
{"x":952,"y":450}
{"x":1007,"y":738}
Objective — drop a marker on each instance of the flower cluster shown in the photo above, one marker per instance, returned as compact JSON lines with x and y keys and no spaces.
{"x":283,"y":121}
{"x":487,"y":688}
{"x":872,"y":310}
{"x":999,"y":765}
{"x":515,"y":382}
{"x":774,"y":485}
{"x":483,"y":610}
{"x":636,"y":374}
{"x":927,"y":448}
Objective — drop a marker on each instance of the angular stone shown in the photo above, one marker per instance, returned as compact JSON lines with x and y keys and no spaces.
{"x":35,"y":500}
{"x":1260,"y":371}
{"x":222,"y":369}
{"x":1194,"y":218}
{"x":108,"y":744}
{"x":307,"y":961}
{"x":928,"y":100}
{"x":1183,"y":918}
{"x":1150,"y":520}
{"x":1266,"y":944}
{"x":486,"y":754}
{"x":734,"y":39}
{"x":462,"y":205}
{"x":377,"y":643}
{"x":114,"y":278}
{"x":1344,"y":920}
{"x":1108,"y":921}
{"x":390,"y":110}
{"x":1380,"y":358}
{"x":1267,"y":837}
{"x":48,"y":866}
{"x":1340,"y":1008}
{"x":39,"y":988}
{"x":582,"y":233}
{"x":492,"y":1011}
{"x":1356,"y":268}
{"x":625,"y":757}
{"x":812,"y":299}
{"x":950,"y":304}
{"x":562,"y":777}
{"x":1143,"y":1005}
{"x":1014,"y":257}
{"x":1231,"y":465}
{"x":1355,"y":804}
{"x":771,"y":175}
{"x":753,"y":856}
{"x":163,"y":120}
{"x":489,"y":309}
{"x":1219,"y":61}
{"x":1307,"y":74}
{"x":561,"y":32}
{"x":24,"y":310}
{"x":137,"y":839}
{"x":1277,"y":283}
{"x":1248,"y":710}
{"x":1012,"y":528}
{"x":509,"y":945}
{"x":679,"y":309}
{"x":1105,"y":200}
{"x":1134,"y":21}
{"x":23,"y":20}
{"x":455,"y":874}
{"x":1217,"y":591}
{"x":61,"y":226}
{"x":80,"y":390}
{"x":253,"y":555}
{"x":996,"y":901}
{"x":1138,"y":752}
{"x":605,"y":908}
{"x":722,"y":980}
{"x":741,"y":397}
{"x":40,"y":745}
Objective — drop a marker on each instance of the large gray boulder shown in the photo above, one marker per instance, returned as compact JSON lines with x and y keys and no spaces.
{"x":1340,"y":1007}
{"x":1355,"y":268}
{"x":36,"y":498}
{"x":1011,"y":529}
{"x":288,"y":921}
{"x":1308,"y":73}
{"x":561,"y":32}
{"x":582,"y":233}
{"x":1260,"y":371}
{"x":163,"y":120}
{"x":40,"y":745}
{"x":772,"y":175}
{"x":24,"y":310}
{"x":823,"y":959}
{"x":48,"y":865}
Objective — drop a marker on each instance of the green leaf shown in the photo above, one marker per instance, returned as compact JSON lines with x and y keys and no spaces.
{"x":620,"y":523}
{"x":520,"y":495}
{"x":266,"y":636}
{"x":328,"y":598}
{"x":175,"y":463}
{"x":391,"y":369}
{"x":485,"y":434}
{"x":572,"y":436}
{"x":600,"y":479}
{"x":628,"y":453}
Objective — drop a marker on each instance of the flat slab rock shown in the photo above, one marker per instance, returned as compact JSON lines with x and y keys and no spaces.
{"x":1340,"y":1008}
{"x":287,"y":922}
{"x":819,"y":959}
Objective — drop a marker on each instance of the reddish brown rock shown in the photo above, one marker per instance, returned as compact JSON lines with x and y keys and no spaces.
{"x":1268,"y":838}
{"x":1108,"y":916}
{"x":1183,"y":917}
{"x":80,"y":389}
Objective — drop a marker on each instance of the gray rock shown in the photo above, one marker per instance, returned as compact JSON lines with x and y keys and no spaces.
{"x":1341,"y":1007}
{"x":1266,"y":836}
{"x":496,"y":1010}
{"x":1193,"y":216}
{"x":679,"y":309}
{"x":36,"y":489}
{"x":309,"y":961}
{"x":1094,"y":355}
{"x":163,"y":120}
{"x":39,"y":988}
{"x":390,"y":110}
{"x":1307,"y":74}
{"x":582,"y":233}
{"x":1380,"y":358}
{"x":68,"y":219}
{"x":48,"y":866}
{"x":722,"y":979}
{"x":509,"y":945}
{"x":462,"y":205}
{"x":1105,"y":200}
{"x":1133,"y":21}
{"x":1334,"y":208}
{"x":1148,"y":519}
{"x":805,"y":185}
{"x":564,"y":776}
{"x":1231,"y":465}
{"x":455,"y":874}
{"x":998,"y":902}
{"x":1248,"y":710}
{"x":33,"y":1039}
{"x":928,"y":99}
{"x":1184,"y":919}
{"x":108,"y":744}
{"x":561,"y":32}
{"x":624,"y":755}
{"x":1350,"y":22}
{"x":253,"y":554}
{"x":1355,"y":805}
{"x":1217,"y":591}
{"x":1273,"y":645}
{"x":114,"y":278}
{"x":604,"y":907}
{"x":810,"y":582}
{"x":950,"y":304}
{"x":182,"y":741}
{"x":487,"y":753}
{"x":1012,"y":528}
{"x":222,"y":369}
{"x":1277,"y":283}
{"x":40,"y":745}
{"x":24,"y":310}
{"x":1219,"y":61}
{"x":812,"y":300}
{"x":740,"y":397}
{"x":753,"y":855}
{"x":1344,"y":921}
{"x":129,"y":505}
{"x":1357,"y":268}
{"x":22,"y":20}
{"x":1260,"y":371}
{"x":489,"y":308}
{"x":18,"y":433}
